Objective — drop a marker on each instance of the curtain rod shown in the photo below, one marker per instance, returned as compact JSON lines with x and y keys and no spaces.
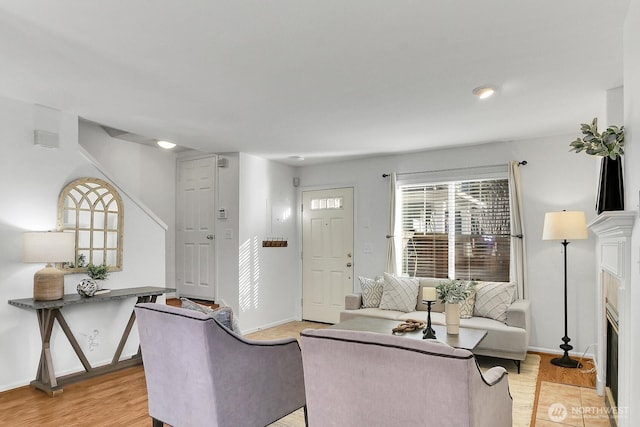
{"x":385,"y":175}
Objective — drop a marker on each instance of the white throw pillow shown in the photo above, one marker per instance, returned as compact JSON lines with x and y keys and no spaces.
{"x":493,"y":299}
{"x":399,"y":293}
{"x":371,"y":291}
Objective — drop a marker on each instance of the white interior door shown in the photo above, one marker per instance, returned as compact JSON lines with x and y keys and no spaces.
{"x":327,"y":253}
{"x":195,"y":266}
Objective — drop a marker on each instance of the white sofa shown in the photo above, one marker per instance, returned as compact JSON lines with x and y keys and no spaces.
{"x":508,"y":340}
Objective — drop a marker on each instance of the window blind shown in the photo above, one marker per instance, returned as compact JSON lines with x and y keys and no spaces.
{"x":457,"y":229}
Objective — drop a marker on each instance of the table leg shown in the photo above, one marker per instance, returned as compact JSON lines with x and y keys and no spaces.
{"x":46,"y":373}
{"x":127,"y":330}
{"x":72,"y":340}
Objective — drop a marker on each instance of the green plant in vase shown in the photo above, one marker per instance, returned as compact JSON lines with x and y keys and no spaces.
{"x":610,"y":146}
{"x":98,"y":273}
{"x":452,"y":293}
{"x":609,"y":143}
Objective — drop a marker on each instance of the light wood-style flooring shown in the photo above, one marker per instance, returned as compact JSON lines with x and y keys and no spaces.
{"x":570,"y":390}
{"x":120,"y":399}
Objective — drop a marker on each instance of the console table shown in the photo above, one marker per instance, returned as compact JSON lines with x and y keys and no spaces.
{"x":50,"y":311}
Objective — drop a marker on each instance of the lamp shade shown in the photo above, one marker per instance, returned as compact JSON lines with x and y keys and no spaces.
{"x":48,"y":247}
{"x":565,"y":225}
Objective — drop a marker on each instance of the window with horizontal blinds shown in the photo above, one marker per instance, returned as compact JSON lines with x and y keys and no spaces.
{"x":457,"y":229}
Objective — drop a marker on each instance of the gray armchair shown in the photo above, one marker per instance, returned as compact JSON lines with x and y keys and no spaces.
{"x":200,"y":373}
{"x":368,"y":379}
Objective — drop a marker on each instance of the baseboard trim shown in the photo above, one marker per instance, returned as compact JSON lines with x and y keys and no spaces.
{"x":574,"y":354}
{"x":268,"y":325}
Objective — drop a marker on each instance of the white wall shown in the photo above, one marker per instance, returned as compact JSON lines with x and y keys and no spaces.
{"x":632,"y":182}
{"x":554,"y":179}
{"x":147,"y":173}
{"x":30,"y":180}
{"x":268,"y":277}
{"x":228,"y":191}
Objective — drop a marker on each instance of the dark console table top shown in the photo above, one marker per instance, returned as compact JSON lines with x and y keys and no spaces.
{"x":70,"y":299}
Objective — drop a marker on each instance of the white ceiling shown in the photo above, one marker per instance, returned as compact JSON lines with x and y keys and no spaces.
{"x":321,"y":79}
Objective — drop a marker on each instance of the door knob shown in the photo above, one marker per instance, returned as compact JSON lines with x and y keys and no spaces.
{"x":210,"y":236}
{"x":348,"y":264}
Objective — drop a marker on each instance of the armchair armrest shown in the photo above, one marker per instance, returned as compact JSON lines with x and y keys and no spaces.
{"x":353,"y":301}
{"x":519,"y":314}
{"x":494,"y":375}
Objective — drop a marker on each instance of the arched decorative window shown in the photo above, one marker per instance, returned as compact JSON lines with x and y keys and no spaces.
{"x":93,"y":209}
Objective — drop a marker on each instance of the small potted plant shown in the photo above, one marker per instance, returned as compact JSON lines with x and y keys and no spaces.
{"x":452,"y":293}
{"x":97,"y":273}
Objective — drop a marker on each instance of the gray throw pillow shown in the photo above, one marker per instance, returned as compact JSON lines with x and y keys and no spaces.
{"x":371,"y":291}
{"x":224,"y":314}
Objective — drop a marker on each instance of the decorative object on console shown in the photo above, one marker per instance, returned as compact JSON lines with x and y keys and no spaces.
{"x":87,"y":287}
{"x":48,"y":247}
{"x":610,"y":146}
{"x":564,"y":226}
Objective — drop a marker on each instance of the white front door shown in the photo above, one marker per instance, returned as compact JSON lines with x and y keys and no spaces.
{"x":327,"y":253}
{"x":195,"y":266}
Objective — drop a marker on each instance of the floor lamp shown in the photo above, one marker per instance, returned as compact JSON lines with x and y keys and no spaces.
{"x":565,"y":226}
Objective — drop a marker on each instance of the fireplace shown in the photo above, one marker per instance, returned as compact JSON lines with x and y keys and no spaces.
{"x":611,"y":357}
{"x":613,"y":310}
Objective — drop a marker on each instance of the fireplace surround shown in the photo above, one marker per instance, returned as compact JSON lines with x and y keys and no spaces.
{"x":613,"y":308}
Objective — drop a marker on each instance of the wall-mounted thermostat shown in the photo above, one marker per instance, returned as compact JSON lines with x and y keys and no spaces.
{"x":222,"y":213}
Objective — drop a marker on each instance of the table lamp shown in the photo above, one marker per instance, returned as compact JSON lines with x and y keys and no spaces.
{"x":48,"y":247}
{"x":564,"y":226}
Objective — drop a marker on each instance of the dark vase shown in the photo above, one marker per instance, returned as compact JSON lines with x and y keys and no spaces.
{"x":611,"y":186}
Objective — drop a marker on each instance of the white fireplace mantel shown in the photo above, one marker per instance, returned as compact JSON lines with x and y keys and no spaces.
{"x":613,"y":230}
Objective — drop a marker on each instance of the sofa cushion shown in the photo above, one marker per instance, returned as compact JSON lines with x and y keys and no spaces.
{"x":399,"y":293}
{"x":371,"y":291}
{"x":374,"y":312}
{"x":223,"y":314}
{"x":493,"y":299}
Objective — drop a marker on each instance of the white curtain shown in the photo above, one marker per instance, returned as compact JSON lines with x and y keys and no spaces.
{"x":391,"y":241}
{"x":518,"y":254}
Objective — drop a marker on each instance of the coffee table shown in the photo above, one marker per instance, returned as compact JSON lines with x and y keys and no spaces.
{"x":467,"y":338}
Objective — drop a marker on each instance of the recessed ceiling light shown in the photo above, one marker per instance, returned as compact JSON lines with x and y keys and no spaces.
{"x":299,"y":158}
{"x":484,"y":92}
{"x":166,"y":144}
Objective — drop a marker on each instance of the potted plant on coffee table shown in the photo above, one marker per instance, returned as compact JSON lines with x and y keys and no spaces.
{"x":452,"y":293}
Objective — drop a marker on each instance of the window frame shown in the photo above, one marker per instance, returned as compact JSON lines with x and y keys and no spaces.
{"x":440,"y":178}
